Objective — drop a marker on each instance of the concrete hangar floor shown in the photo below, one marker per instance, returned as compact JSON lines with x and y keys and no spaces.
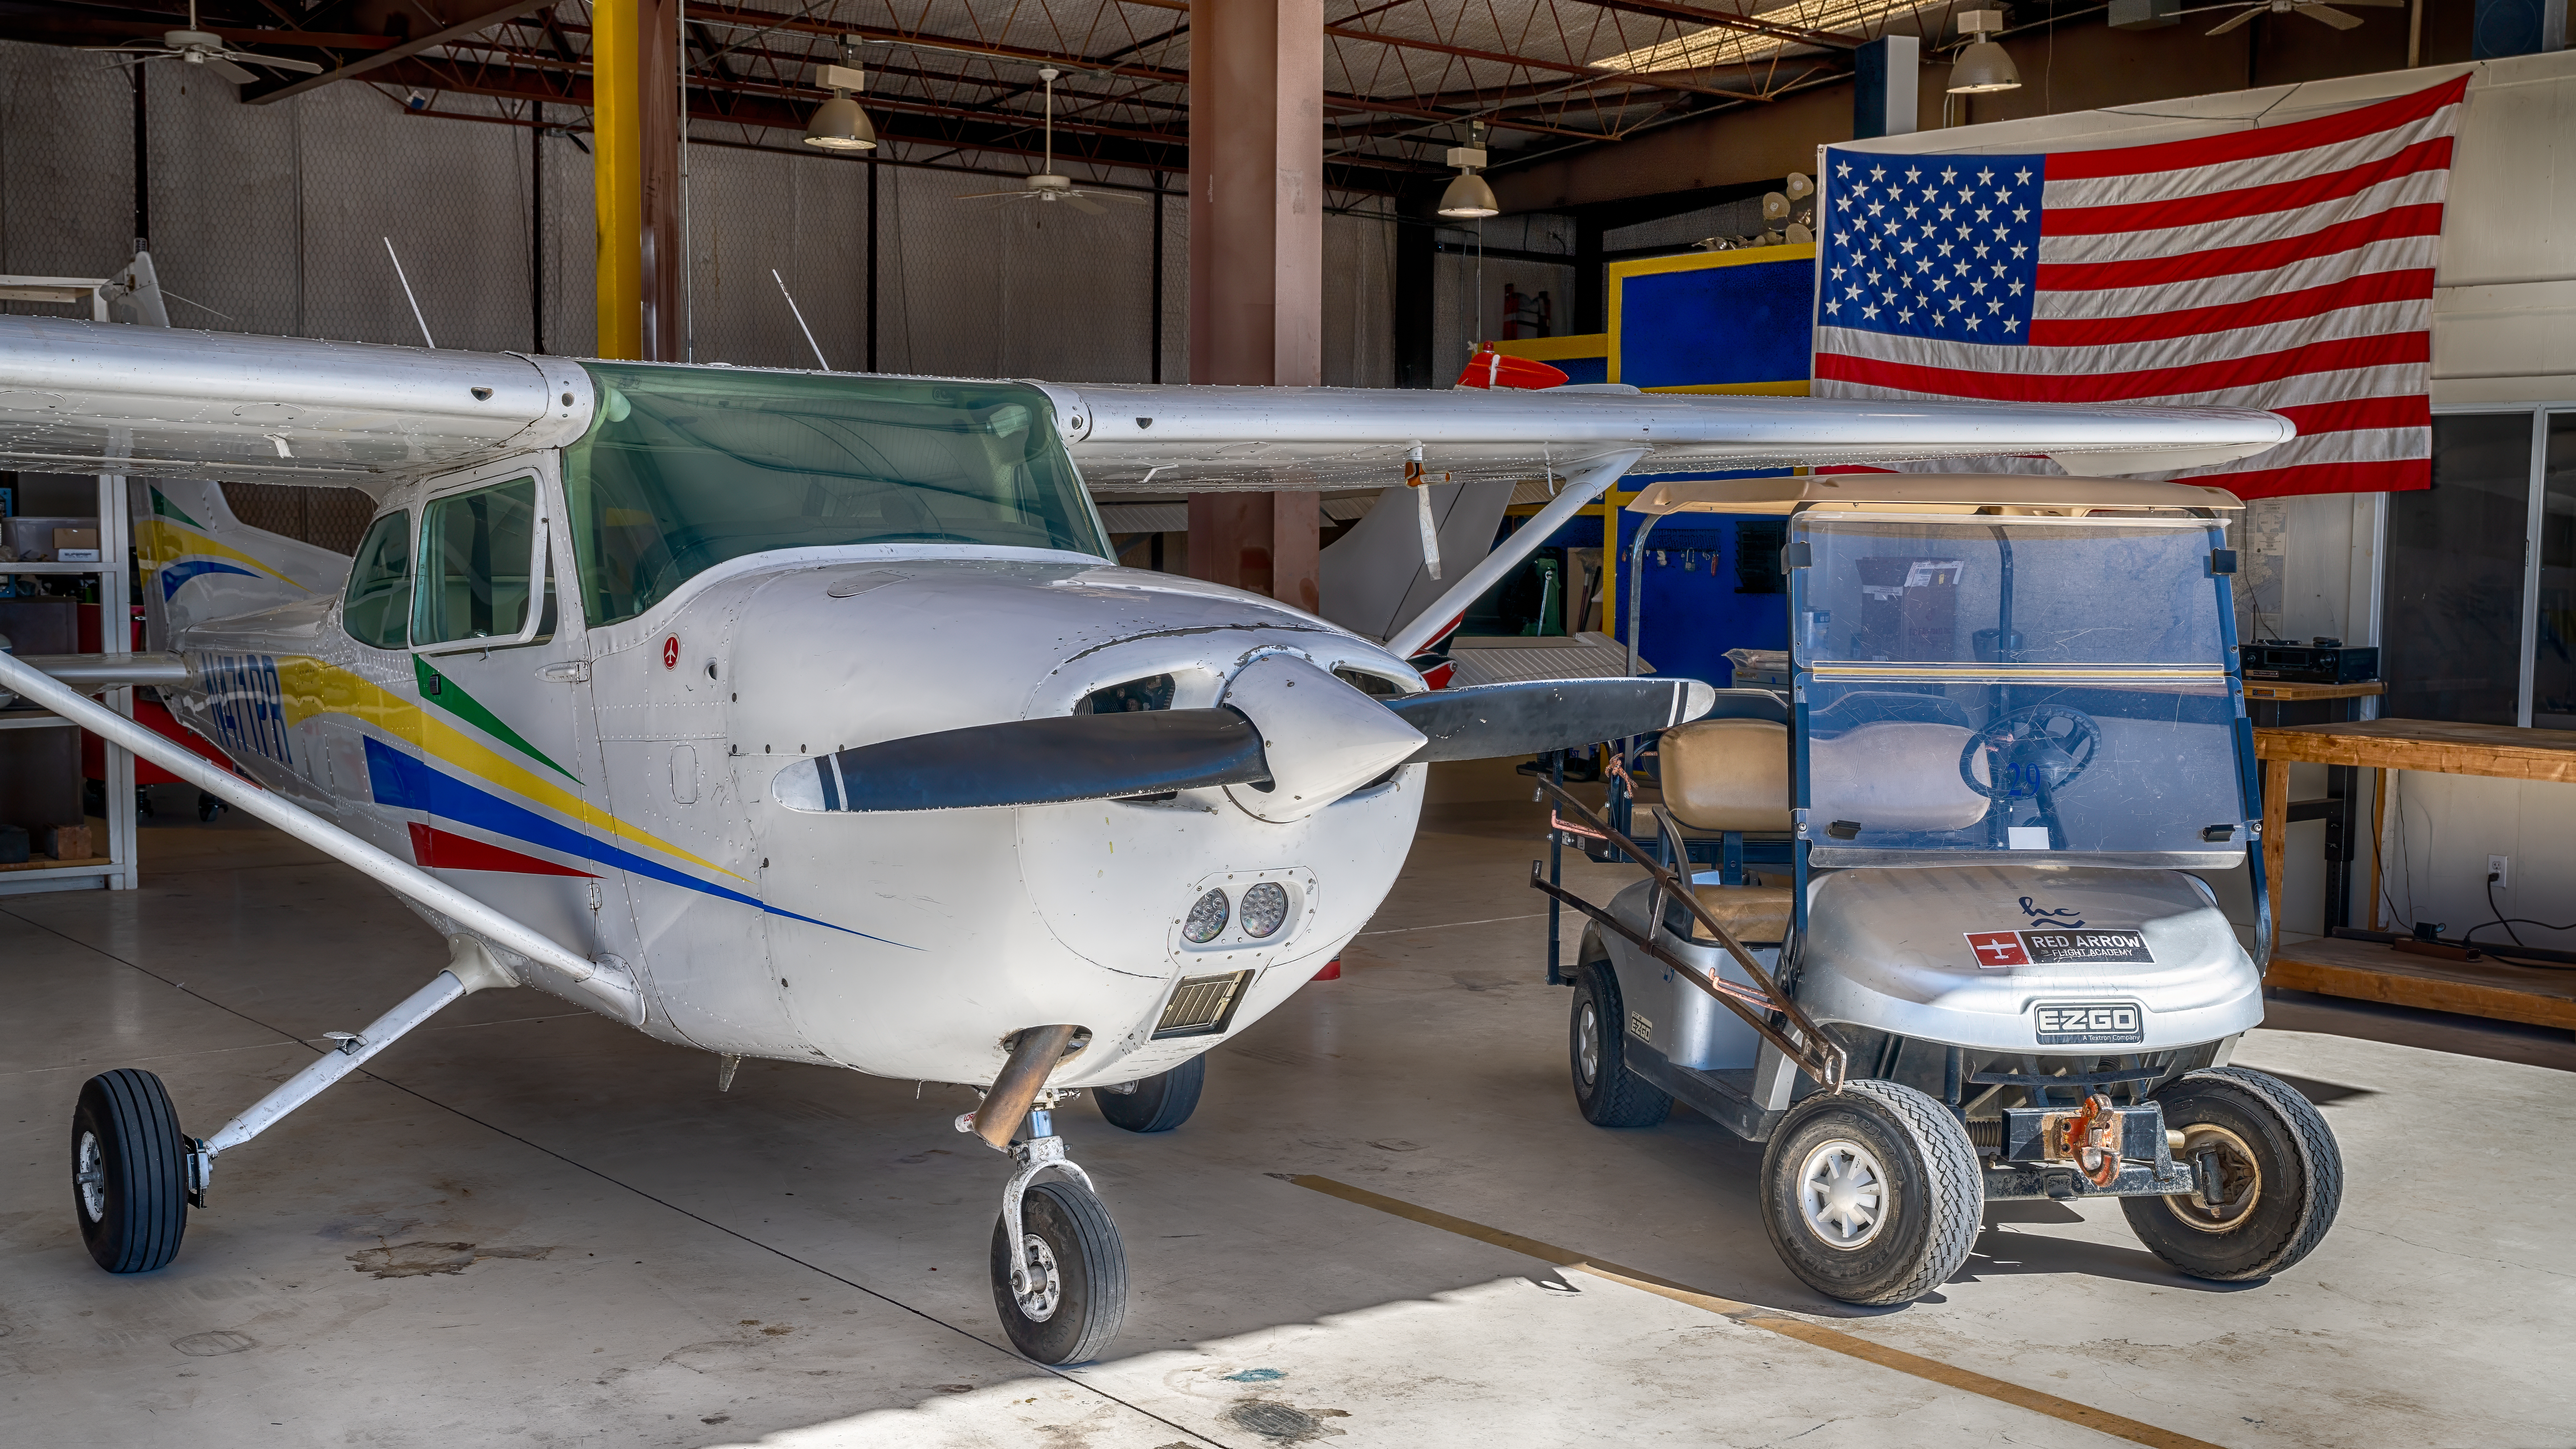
{"x":1387,"y":1223}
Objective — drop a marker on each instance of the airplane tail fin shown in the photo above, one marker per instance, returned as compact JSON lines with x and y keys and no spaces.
{"x":199,"y":562}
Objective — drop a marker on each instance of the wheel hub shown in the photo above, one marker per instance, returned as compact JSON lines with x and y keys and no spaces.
{"x":2218,"y":1207}
{"x":1842,"y":1194}
{"x":1034,"y":1281}
{"x":90,"y":1175}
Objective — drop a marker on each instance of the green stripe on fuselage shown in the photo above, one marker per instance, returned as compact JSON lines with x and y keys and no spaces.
{"x":451,"y":697}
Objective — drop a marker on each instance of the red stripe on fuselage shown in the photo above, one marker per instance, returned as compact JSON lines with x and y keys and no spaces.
{"x":442,"y":850}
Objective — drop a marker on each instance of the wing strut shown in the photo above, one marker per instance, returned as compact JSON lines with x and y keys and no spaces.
{"x":1582,"y":486}
{"x":608,"y":985}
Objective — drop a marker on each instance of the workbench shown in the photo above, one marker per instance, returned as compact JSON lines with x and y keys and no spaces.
{"x":2375,"y":972}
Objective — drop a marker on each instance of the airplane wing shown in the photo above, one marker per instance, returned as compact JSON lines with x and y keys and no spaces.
{"x":150,"y":401}
{"x":1177,"y":439}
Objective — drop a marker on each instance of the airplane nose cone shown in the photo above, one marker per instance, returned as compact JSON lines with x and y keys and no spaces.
{"x":1322,"y":738}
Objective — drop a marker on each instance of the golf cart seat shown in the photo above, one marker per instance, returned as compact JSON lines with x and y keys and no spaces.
{"x":1889,"y":761}
{"x":1728,"y":772}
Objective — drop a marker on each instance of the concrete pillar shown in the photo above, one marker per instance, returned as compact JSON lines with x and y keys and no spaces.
{"x":1256,"y":259}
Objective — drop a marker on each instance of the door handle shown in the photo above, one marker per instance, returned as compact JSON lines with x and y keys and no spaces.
{"x":569,"y":671}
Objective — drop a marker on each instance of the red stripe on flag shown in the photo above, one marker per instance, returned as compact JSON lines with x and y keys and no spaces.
{"x":2359,"y":413}
{"x":2169,"y":212}
{"x":2365,"y":290}
{"x":2343,"y":236}
{"x":2263,"y":141}
{"x":2394,"y":475}
{"x":443,"y":850}
{"x":2339,"y":355}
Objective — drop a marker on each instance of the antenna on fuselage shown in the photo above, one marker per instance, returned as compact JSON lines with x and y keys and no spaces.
{"x":425,"y":339}
{"x":800,"y":319}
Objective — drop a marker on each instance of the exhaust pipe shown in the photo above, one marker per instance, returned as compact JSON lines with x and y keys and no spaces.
{"x":1034,"y":1056}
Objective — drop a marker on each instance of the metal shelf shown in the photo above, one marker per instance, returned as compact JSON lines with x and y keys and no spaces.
{"x":15,"y":567}
{"x":34,"y":722}
{"x":117,"y":869}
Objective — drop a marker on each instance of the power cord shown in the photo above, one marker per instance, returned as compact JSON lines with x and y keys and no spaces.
{"x":2501,"y":919}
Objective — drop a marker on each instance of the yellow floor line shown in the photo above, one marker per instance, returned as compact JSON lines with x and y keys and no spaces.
{"x":1754,"y":1315}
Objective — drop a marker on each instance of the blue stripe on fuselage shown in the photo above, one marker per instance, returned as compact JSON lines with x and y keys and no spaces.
{"x":177,"y":574}
{"x":406,"y":783}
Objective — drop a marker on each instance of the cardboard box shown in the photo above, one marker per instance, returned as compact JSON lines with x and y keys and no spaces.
{"x":1909,"y":608}
{"x":76,"y":545}
{"x":68,"y":842}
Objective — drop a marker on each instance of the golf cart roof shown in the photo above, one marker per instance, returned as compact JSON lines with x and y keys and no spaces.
{"x":2024,"y":493}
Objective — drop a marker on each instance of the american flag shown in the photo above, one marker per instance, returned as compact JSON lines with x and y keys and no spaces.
{"x":2286,"y":267}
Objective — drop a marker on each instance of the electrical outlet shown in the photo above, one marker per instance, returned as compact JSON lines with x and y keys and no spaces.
{"x":2501,"y":868}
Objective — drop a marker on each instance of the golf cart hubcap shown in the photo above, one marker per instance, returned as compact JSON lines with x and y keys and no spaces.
{"x":91,"y":1176}
{"x":1842,"y":1194}
{"x":1035,"y":1284}
{"x":1587,"y":1047}
{"x":2218,"y":1207}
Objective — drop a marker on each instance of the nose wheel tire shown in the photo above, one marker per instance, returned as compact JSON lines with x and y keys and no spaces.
{"x":1160,"y":1102}
{"x":2278,"y":1177}
{"x":1597,"y":1040}
{"x":1063,"y":1295}
{"x":129,"y":1172}
{"x":1872,"y":1194}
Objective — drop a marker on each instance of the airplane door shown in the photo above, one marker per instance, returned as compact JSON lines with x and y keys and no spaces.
{"x":503,"y":674}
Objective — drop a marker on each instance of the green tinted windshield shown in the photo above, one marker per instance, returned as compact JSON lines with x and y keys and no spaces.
{"x":684,"y":468}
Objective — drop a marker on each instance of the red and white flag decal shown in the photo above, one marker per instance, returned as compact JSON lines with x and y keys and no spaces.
{"x":2284,"y":267}
{"x":1997,"y":949}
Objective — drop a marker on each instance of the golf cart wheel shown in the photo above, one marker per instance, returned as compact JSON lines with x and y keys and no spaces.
{"x":1597,"y":1041}
{"x":1160,"y":1102}
{"x":1071,"y":1295}
{"x":129,"y":1172}
{"x":1872,"y":1194}
{"x":2280,"y":1177}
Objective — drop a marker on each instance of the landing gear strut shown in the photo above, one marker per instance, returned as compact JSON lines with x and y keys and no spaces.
{"x":1059,"y":1268}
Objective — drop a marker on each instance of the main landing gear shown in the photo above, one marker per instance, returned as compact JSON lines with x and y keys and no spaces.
{"x":1059,"y":1268}
{"x":134,"y":1175}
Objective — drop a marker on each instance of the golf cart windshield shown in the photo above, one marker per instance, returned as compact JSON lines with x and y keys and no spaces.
{"x":684,"y":468}
{"x":1981,"y":684}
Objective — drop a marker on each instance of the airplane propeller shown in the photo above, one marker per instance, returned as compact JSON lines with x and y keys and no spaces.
{"x":1290,"y":759}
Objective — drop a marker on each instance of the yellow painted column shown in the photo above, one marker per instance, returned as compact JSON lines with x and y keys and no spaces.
{"x":617,"y":176}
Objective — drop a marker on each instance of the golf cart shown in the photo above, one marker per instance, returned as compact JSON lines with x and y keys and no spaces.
{"x":1925,"y":924}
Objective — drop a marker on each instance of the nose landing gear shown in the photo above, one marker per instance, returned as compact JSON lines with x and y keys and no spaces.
{"x":1059,"y":1268}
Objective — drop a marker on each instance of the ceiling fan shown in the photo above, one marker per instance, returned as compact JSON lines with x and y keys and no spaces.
{"x":2324,"y":13}
{"x":201,"y":47}
{"x":1046,"y":185}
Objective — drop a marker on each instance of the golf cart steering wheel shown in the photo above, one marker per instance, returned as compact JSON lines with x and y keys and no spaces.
{"x":2032,"y":752}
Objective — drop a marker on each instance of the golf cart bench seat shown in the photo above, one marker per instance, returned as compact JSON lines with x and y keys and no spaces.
{"x":1756,"y":915}
{"x":1881,"y":761}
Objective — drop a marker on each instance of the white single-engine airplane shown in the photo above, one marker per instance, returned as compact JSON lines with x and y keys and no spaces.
{"x":805,"y":716}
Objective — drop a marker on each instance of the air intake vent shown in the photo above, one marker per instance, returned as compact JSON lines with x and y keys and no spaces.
{"x":1150,"y":693}
{"x":1203,"y":1005}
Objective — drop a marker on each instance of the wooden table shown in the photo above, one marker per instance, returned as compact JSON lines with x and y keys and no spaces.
{"x":2379,"y":973}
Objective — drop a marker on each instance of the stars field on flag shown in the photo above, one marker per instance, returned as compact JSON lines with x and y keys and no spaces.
{"x":1941,"y":247}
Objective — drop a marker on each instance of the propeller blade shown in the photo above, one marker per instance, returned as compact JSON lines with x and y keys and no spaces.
{"x":2330,"y":16}
{"x":2243,"y":17}
{"x":1033,"y":762}
{"x":1500,"y":721}
{"x":1084,"y":204}
{"x":229,"y":71}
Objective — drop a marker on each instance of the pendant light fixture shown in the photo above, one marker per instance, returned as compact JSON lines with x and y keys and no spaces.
{"x":1983,"y":67}
{"x":839,"y":124}
{"x":1469,"y":198}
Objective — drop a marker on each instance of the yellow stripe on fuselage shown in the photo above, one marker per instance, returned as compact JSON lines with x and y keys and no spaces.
{"x":312,"y":687}
{"x":165,"y":542}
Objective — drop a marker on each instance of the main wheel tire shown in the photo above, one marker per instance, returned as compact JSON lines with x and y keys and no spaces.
{"x":2280,"y":1173}
{"x":1872,"y":1194}
{"x":1597,"y":1043}
{"x":129,"y":1171}
{"x":1160,"y":1102}
{"x":1070,"y":1311}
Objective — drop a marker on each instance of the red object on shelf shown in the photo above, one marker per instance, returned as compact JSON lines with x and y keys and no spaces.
{"x":156,"y":717}
{"x":1489,"y":368}
{"x":1332,"y":971}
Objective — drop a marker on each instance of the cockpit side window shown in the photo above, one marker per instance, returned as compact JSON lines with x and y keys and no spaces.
{"x":685,"y":468}
{"x":476,"y":548}
{"x":377,"y":607}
